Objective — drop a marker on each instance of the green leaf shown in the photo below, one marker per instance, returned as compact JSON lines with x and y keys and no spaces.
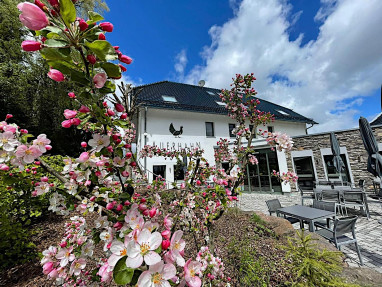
{"x":94,"y":17}
{"x":51,"y":43}
{"x":53,"y":29}
{"x":70,"y":70}
{"x":67,"y":11}
{"x":112,"y":70}
{"x":108,"y":88}
{"x":122,"y":275}
{"x":103,"y":50}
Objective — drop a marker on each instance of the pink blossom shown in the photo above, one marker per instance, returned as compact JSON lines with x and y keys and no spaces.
{"x":32,"y":16}
{"x":69,"y":114}
{"x":66,"y":124}
{"x":157,"y":275}
{"x":8,"y":141}
{"x":66,"y":256}
{"x":176,"y":247}
{"x":167,"y":222}
{"x":106,"y":26}
{"x":56,"y":75}
{"x":48,"y":267}
{"x":105,"y":272}
{"x":83,"y":157}
{"x":42,"y":142}
{"x":28,"y":154}
{"x":75,"y":121}
{"x":99,"y":80}
{"x":191,"y":269}
{"x":143,"y":249}
{"x":76,"y":266}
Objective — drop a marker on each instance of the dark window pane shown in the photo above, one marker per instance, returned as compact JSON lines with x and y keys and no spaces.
{"x":225,"y":166}
{"x":210,"y":129}
{"x":231,"y":127}
{"x":270,"y":129}
{"x":250,"y":129}
{"x":159,"y":170}
{"x":331,"y":170}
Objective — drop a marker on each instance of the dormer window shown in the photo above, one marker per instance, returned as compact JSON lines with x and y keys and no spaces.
{"x":283,"y":113}
{"x":220,"y":103}
{"x":170,"y":99}
{"x":211,"y":93}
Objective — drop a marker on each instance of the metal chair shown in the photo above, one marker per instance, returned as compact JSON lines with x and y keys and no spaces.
{"x":325,"y":205}
{"x":305,"y":194}
{"x":337,"y":234}
{"x":274,"y":205}
{"x":355,"y":199}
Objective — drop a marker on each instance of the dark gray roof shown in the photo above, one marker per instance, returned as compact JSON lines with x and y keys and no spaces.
{"x":377,"y":121}
{"x":203,"y":99}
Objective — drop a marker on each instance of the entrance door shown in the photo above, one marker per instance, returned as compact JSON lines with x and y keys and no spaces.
{"x":260,"y":176}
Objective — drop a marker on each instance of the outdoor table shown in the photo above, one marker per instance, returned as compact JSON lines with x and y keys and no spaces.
{"x":306,"y":213}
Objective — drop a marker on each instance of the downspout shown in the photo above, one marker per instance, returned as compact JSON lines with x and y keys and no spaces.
{"x":145,"y":138}
{"x":306,"y":129}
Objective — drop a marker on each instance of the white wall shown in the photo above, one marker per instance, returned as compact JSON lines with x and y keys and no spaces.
{"x":194,"y":133}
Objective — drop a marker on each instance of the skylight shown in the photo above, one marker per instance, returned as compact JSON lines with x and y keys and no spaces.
{"x":283,"y":113}
{"x":211,"y":93}
{"x":220,"y":103}
{"x":169,"y":99}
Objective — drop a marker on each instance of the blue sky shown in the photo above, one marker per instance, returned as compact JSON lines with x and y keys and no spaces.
{"x":307,"y":55}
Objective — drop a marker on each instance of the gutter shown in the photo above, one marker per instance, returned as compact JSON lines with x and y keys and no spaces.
{"x":145,"y":136}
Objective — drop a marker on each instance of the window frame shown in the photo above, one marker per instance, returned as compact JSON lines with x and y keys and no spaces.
{"x":213,"y":129}
{"x":230,"y":130}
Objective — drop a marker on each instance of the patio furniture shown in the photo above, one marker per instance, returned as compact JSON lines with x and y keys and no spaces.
{"x":337,"y":234}
{"x":274,"y":205}
{"x":325,"y":205}
{"x":354,"y":198}
{"x":305,"y":194}
{"x":306,"y":214}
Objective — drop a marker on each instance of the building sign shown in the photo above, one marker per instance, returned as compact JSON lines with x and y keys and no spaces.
{"x":176,"y":146}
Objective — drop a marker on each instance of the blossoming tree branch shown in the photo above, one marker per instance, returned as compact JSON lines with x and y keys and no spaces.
{"x":141,"y":237}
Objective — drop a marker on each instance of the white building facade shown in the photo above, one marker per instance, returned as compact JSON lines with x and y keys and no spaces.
{"x":164,"y":103}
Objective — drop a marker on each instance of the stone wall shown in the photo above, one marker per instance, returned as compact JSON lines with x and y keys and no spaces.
{"x":351,"y":139}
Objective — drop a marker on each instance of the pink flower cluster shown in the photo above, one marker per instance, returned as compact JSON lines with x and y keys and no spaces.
{"x":288,"y":177}
{"x":278,"y":140}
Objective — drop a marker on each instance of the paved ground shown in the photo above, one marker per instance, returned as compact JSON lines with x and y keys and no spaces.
{"x":368,"y":232}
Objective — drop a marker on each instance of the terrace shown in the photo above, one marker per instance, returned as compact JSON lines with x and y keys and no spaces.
{"x":368,"y":232}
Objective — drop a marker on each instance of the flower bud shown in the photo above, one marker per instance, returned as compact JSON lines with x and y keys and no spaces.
{"x":72,"y":95}
{"x":75,"y":121}
{"x":119,"y":108}
{"x":31,"y":46}
{"x":56,"y":75}
{"x":109,"y":206}
{"x":119,"y":207}
{"x":54,"y":3}
{"x":166,"y":244}
{"x":127,"y":203}
{"x":84,"y":109}
{"x":110,"y":113}
{"x":44,"y":179}
{"x":106,"y":26}
{"x":8,"y":116}
{"x":125,"y":59}
{"x":69,"y":114}
{"x":32,"y":16}
{"x":125,"y":173}
{"x":110,"y":148}
{"x":99,"y":80}
{"x":40,"y":4}
{"x":123,"y":68}
{"x":83,"y":25}
{"x":166,"y":234}
{"x":152,"y":212}
{"x":118,"y":225}
{"x":48,"y":147}
{"x":101,"y":36}
{"x":66,"y":124}
{"x":128,"y":155}
{"x":91,"y":58}
{"x":92,"y":199}
{"x":133,"y":164}
{"x":123,"y":116}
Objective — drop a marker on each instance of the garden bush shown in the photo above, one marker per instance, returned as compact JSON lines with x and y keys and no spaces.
{"x":19,"y":210}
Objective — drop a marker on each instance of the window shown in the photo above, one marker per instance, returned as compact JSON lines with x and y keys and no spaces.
{"x":283,"y":113}
{"x":210,"y":129}
{"x":333,"y":173}
{"x":270,"y":129}
{"x":159,"y":170}
{"x":220,"y":103}
{"x":169,"y":99}
{"x":225,"y":166}
{"x":211,"y":93}
{"x":231,"y":127}
{"x":250,"y":130}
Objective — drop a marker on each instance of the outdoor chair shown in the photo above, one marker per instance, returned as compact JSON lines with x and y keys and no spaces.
{"x":305,"y":194}
{"x":355,"y":199}
{"x":274,"y":205}
{"x":337,"y":235}
{"x":325,"y":205}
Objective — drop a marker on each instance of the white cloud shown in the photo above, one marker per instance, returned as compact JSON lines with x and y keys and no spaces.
{"x":341,"y":66}
{"x":180,"y":64}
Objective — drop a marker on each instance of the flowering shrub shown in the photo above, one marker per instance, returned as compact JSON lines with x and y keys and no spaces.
{"x":142,"y":240}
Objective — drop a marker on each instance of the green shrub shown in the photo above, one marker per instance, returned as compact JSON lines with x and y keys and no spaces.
{"x":314,"y":267}
{"x":19,"y":210}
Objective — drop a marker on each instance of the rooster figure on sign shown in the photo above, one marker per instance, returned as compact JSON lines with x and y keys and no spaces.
{"x":175,"y":132}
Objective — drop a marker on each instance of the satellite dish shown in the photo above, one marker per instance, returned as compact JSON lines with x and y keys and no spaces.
{"x":201,"y":83}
